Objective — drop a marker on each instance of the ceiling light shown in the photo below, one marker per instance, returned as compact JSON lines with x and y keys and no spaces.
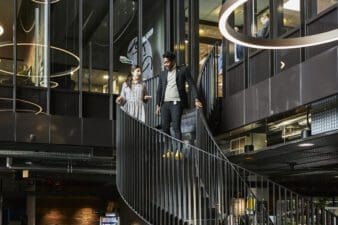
{"x":59,"y":74}
{"x":293,"y":5}
{"x":106,"y":77}
{"x":2,"y":30}
{"x":288,"y":43}
{"x":45,"y":2}
{"x":306,"y":144}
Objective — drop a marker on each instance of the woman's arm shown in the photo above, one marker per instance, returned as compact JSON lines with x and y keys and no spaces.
{"x":146,"y":97}
{"x":121,"y":100}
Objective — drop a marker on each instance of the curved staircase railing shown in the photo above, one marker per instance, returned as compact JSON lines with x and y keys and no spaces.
{"x":199,"y":185}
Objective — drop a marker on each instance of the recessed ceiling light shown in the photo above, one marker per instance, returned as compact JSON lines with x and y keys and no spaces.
{"x":2,"y":30}
{"x":306,"y":145}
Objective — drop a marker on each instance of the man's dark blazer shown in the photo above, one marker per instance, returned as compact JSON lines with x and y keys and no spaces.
{"x":182,"y":76}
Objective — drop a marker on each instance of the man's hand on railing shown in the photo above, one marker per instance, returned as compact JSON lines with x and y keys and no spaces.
{"x":158,"y":110}
{"x":198,"y":104}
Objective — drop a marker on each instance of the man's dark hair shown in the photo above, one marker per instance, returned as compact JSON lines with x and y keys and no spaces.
{"x":169,"y":55}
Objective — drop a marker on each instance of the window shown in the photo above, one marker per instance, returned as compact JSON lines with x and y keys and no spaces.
{"x":290,"y":16}
{"x":324,"y":4}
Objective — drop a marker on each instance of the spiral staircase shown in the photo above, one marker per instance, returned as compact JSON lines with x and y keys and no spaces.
{"x":200,"y":186}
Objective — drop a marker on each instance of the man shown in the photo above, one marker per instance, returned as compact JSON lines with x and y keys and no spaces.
{"x":265,"y":30}
{"x":171,"y":96}
{"x":238,"y":49}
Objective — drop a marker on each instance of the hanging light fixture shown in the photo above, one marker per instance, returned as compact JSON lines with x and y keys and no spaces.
{"x":229,"y":33}
{"x":45,"y":1}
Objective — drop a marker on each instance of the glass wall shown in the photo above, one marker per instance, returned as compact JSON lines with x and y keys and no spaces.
{"x":209,"y":36}
{"x":289,"y":18}
{"x":153,"y":38}
{"x":32,"y":41}
{"x":95,"y":46}
{"x":64,"y":57}
{"x":32,"y":56}
{"x":64,"y":41}
{"x":260,"y":16}
{"x":6,"y":55}
{"x":64,"y":61}
{"x":125,"y":41}
{"x":125,"y":27}
{"x":236,"y":52}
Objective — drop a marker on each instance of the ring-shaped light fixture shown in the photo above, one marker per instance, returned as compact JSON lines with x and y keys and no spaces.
{"x":288,"y":43}
{"x":45,"y":1}
{"x":61,"y":74}
{"x":53,"y":84}
{"x":38,"y":107}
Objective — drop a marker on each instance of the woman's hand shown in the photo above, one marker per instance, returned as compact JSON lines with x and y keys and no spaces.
{"x":147,"y":97}
{"x":119,"y":100}
{"x":198,"y":104}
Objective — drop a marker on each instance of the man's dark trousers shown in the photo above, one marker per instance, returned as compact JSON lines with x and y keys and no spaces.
{"x":172,"y":112}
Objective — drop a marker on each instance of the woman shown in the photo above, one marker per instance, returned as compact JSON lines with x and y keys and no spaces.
{"x":134,"y":94}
